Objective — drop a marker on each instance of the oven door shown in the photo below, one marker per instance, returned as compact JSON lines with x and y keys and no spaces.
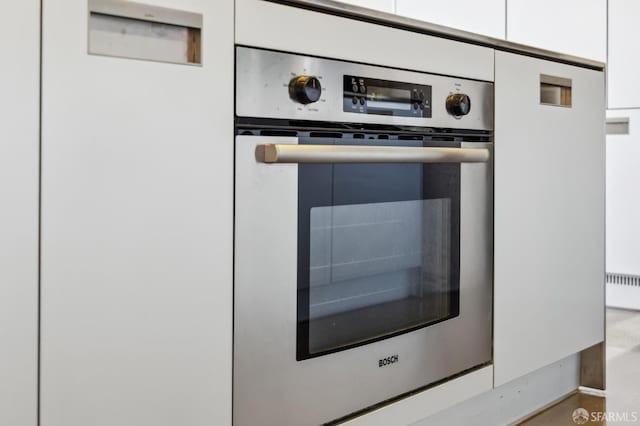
{"x":362,"y":272}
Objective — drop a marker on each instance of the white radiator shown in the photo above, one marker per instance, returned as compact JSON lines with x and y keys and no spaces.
{"x":623,"y":291}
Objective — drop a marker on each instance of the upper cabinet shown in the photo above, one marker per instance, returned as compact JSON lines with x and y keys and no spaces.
{"x":576,"y":27}
{"x":383,"y":5}
{"x":486,"y":17}
{"x":624,"y":64}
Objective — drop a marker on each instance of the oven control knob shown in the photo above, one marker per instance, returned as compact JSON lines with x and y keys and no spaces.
{"x":458,"y":104}
{"x":305,"y":89}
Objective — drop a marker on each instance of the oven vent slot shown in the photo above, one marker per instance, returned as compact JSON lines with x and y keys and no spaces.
{"x":623,"y":279}
{"x":440,"y":138}
{"x":410,"y":137}
{"x":285,"y":133}
{"x":325,"y":135}
{"x":426,"y":134}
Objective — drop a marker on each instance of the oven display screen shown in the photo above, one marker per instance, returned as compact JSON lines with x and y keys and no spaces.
{"x":388,"y":97}
{"x":364,"y":95}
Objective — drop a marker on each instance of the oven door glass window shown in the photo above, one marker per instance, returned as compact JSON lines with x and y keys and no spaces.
{"x":378,"y":249}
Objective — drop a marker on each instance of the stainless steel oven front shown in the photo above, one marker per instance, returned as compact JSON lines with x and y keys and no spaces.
{"x":363,"y":228}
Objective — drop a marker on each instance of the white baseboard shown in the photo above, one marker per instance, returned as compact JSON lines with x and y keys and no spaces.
{"x":416,"y":407}
{"x":514,"y":400}
{"x":623,"y":296}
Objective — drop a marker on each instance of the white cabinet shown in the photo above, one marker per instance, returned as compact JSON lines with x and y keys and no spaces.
{"x":575,"y":27}
{"x":137,"y":196}
{"x":483,"y":17}
{"x":382,"y":5}
{"x":623,"y":212}
{"x":623,"y":206}
{"x":549,"y":216}
{"x":19,"y":170}
{"x":623,"y":153}
{"x":259,"y":24}
{"x":624,"y":63}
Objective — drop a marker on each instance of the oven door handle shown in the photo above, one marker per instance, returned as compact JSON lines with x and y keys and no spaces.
{"x":280,"y":153}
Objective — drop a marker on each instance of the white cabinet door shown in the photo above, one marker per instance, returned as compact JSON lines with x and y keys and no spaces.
{"x":19,"y":169}
{"x":623,"y":212}
{"x":623,"y":204}
{"x":575,"y":27}
{"x":137,"y":203}
{"x":383,"y":5}
{"x":483,"y":17}
{"x":549,"y":216}
{"x":623,"y":65}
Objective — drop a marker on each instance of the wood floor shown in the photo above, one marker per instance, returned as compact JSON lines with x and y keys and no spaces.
{"x":622,"y":403}
{"x":561,"y":414}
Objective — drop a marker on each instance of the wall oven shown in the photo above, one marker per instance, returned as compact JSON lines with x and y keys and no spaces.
{"x":363,"y":254}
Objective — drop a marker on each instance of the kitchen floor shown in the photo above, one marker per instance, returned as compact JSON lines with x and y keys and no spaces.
{"x":622,"y":404}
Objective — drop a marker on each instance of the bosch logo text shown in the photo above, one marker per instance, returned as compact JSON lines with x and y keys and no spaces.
{"x":388,"y":360}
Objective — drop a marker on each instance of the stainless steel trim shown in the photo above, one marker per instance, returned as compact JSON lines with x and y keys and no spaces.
{"x":262,"y":90}
{"x":146,"y":12}
{"x":389,"y":19}
{"x":267,"y":378}
{"x":277,"y":153}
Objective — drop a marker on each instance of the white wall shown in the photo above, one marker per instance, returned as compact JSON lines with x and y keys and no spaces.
{"x":624,"y":60}
{"x":576,"y":27}
{"x":19,"y":162}
{"x":485,"y":17}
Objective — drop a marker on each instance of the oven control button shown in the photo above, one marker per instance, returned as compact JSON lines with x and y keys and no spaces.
{"x":305,"y":89}
{"x":458,"y":104}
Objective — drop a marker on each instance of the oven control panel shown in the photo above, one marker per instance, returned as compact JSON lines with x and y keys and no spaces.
{"x":296,"y":87}
{"x":364,"y":95}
